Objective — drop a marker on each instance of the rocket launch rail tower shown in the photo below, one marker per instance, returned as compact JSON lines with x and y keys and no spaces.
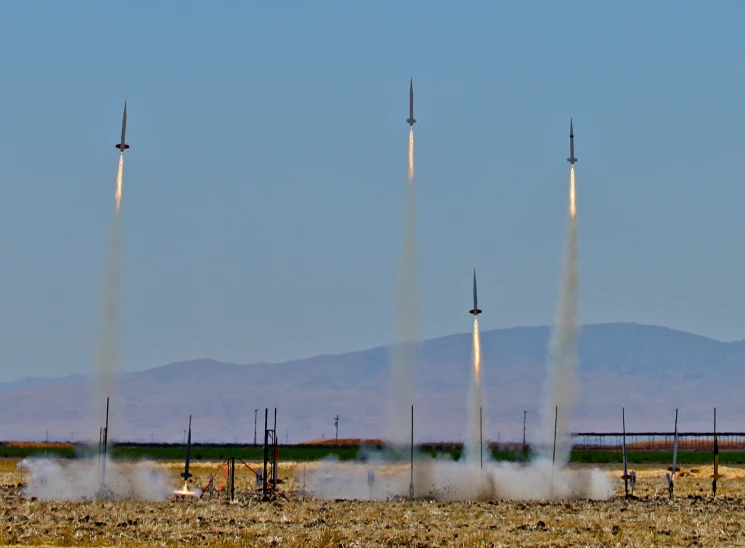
{"x":271,"y":456}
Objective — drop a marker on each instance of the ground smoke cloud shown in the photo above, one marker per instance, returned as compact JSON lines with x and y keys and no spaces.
{"x":50,"y":479}
{"x":444,"y":479}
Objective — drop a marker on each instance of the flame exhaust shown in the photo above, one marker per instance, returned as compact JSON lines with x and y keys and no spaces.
{"x":411,"y":156}
{"x":119,"y":176}
{"x":406,"y":355}
{"x":563,"y":358}
{"x":476,"y":402}
{"x":572,"y":196}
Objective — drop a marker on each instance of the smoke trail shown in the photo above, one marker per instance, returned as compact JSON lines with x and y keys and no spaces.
{"x":476,"y":403}
{"x":563,"y":358}
{"x":406,"y":355}
{"x":107,"y":356}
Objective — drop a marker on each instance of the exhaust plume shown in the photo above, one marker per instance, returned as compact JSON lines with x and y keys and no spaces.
{"x":406,"y":354}
{"x":381,"y":475}
{"x":108,"y":352}
{"x":563,"y":358}
{"x":476,"y":409}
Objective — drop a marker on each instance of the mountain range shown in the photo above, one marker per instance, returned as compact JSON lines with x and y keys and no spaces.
{"x":649,"y":370}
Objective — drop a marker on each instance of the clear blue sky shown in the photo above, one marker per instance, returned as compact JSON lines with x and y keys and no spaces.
{"x":264,"y":190}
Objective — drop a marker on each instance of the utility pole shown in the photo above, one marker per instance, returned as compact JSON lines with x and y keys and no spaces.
{"x":336,"y":425}
{"x":256,"y":414}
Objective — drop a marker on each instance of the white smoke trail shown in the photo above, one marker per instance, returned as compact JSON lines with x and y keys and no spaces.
{"x":108,"y":351}
{"x":476,"y":412}
{"x":563,"y":358}
{"x":406,"y":355}
{"x":49,"y":479}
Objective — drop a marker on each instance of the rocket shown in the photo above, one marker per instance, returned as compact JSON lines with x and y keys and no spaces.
{"x":122,"y":145}
{"x":186,"y":475}
{"x":475,"y":310}
{"x":571,"y":158}
{"x":411,"y":120}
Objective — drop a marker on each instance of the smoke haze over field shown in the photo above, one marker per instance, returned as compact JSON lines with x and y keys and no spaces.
{"x":445,"y":479}
{"x":80,"y":480}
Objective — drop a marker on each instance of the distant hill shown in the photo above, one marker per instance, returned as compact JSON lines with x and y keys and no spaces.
{"x":32,"y":382}
{"x":650,"y":370}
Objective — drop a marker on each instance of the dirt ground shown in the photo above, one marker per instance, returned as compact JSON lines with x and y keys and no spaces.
{"x":693,"y":518}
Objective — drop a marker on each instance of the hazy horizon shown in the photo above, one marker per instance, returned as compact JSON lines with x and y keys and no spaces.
{"x":387,"y":345}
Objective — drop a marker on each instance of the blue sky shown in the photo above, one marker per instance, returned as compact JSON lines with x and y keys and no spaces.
{"x":264,"y":190}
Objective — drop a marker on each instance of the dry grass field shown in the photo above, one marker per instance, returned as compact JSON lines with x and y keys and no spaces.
{"x":692,"y":519}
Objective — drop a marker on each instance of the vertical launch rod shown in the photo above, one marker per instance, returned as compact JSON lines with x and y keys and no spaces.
{"x":553,"y":459}
{"x":105,"y":445}
{"x":525,"y":419}
{"x":275,"y":456}
{"x":716,"y":456}
{"x":556,"y":422}
{"x":625,"y":462}
{"x":411,"y":481}
{"x":266,"y":447}
{"x":232,"y":479}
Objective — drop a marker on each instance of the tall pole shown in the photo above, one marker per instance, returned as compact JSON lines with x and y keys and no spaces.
{"x":411,"y":481}
{"x":232,"y":479}
{"x":625,"y":462}
{"x":256,"y":414}
{"x":481,"y":438}
{"x":336,"y":425}
{"x":275,"y":455}
{"x":716,"y":456}
{"x":266,"y":446}
{"x":553,"y":459}
{"x":556,"y":422}
{"x":525,"y":419}
{"x":105,"y":442}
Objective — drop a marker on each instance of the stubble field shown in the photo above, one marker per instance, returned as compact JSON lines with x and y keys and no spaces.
{"x":693,"y":518}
